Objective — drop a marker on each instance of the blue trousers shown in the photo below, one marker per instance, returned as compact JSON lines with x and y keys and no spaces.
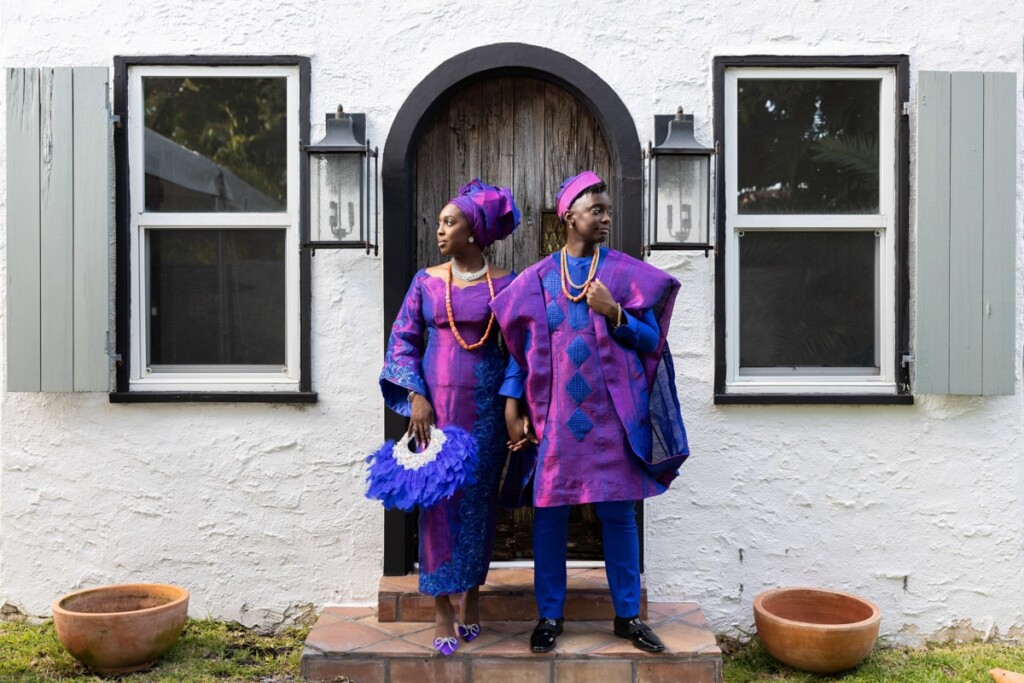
{"x":621,"y":557}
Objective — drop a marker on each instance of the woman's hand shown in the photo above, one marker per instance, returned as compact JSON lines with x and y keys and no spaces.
{"x":518,"y":425}
{"x":601,"y":301}
{"x":422,"y":420}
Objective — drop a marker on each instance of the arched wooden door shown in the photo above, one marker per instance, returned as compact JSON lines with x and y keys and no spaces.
{"x":529,"y":135}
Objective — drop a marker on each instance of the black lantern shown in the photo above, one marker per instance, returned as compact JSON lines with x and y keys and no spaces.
{"x":679,"y":199}
{"x":340,"y":186}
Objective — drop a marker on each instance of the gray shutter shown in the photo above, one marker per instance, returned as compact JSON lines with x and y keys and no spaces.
{"x":966,"y":213}
{"x":58,"y":229}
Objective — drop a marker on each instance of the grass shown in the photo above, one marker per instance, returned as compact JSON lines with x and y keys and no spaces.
{"x":934,"y":663}
{"x":206,"y":651}
{"x":211,"y":651}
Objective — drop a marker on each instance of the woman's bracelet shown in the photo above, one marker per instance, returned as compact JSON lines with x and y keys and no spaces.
{"x":618,"y":317}
{"x":411,"y":394}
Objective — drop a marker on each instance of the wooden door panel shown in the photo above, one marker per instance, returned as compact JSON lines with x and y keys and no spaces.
{"x":528,"y":178}
{"x":529,"y":135}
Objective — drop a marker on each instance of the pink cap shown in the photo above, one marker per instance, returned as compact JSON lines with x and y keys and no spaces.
{"x":571,"y":189}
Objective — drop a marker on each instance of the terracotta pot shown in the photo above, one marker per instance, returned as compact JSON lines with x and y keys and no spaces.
{"x":816,"y":630}
{"x":120,"y":629}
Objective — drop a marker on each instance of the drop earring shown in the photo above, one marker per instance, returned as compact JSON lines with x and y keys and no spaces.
{"x":471,"y":240}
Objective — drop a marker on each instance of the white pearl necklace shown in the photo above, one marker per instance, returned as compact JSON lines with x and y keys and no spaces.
{"x":469,"y":277}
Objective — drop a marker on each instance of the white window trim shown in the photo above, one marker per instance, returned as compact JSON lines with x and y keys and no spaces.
{"x":200,"y":380}
{"x":816,"y":380}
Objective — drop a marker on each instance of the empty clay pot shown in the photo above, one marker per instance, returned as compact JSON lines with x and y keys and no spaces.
{"x":123,"y":628}
{"x":816,"y":630}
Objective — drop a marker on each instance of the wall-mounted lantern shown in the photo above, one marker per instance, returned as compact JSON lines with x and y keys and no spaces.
{"x":679,"y":199}
{"x":342,"y":186}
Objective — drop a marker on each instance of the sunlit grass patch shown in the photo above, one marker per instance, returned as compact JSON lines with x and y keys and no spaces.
{"x":206,"y":651}
{"x":935,"y":663}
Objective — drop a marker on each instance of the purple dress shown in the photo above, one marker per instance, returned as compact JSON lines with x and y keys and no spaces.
{"x":457,"y":535}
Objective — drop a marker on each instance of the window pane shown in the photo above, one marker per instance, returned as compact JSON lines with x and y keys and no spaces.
{"x":807,"y":299}
{"x":217,"y":297}
{"x":807,"y":146}
{"x":215,"y":144}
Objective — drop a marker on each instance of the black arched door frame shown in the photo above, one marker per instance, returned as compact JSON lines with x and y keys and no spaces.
{"x":398,"y":177}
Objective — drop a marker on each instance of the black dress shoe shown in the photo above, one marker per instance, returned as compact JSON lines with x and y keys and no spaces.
{"x":544,"y":633}
{"x":639,"y":633}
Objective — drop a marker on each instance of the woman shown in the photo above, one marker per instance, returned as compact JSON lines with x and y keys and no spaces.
{"x":453,"y":378}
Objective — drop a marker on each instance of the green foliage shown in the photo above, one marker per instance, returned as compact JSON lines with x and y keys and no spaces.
{"x":808,"y":146}
{"x":237,"y":123}
{"x":968,"y":663}
{"x":206,"y":651}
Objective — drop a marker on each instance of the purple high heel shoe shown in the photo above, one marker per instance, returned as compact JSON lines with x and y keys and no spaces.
{"x":468,"y":632}
{"x":446,"y":646}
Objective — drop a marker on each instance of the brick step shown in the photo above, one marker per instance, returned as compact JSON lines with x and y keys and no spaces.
{"x":507,"y":596}
{"x":352,"y":642}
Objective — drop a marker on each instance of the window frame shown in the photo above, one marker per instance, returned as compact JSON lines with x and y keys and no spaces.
{"x":891,"y":385}
{"x":134,"y":383}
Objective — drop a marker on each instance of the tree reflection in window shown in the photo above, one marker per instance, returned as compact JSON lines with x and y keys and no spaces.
{"x":807,"y":146}
{"x":215,"y":144}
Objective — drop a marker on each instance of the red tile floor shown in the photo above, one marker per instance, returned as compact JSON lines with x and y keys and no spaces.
{"x":352,"y":642}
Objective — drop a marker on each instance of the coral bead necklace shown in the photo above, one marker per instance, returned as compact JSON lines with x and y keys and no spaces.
{"x":586,"y":284}
{"x":451,"y":316}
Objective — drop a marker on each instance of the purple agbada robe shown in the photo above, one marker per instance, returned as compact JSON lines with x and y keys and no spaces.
{"x":457,"y":535}
{"x":607,"y":416}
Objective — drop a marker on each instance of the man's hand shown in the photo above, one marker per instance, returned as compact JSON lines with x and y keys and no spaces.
{"x":601,"y":301}
{"x":518,"y":425}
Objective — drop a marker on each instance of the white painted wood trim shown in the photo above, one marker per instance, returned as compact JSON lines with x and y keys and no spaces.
{"x":883,"y":223}
{"x":140,"y":377}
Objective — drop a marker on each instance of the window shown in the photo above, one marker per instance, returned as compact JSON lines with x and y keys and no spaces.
{"x":212,"y":229}
{"x":809,"y":229}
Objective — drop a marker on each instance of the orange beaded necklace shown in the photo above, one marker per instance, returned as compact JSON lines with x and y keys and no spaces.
{"x":586,"y":284}
{"x":451,"y":316}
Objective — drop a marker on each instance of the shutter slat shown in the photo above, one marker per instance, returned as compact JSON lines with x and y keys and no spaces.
{"x":933,"y":136}
{"x":56,"y":239}
{"x":23,"y":230}
{"x":999,"y":300}
{"x":966,"y":196}
{"x":91,"y":229}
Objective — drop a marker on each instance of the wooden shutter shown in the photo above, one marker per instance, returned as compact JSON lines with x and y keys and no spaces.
{"x":966,"y":214}
{"x":58,"y":229}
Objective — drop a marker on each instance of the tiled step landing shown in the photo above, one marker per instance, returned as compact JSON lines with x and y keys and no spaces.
{"x":507,"y":596}
{"x":352,"y":643}
{"x":393,"y":644}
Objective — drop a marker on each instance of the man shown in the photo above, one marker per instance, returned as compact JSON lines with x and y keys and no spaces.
{"x":586,"y":328}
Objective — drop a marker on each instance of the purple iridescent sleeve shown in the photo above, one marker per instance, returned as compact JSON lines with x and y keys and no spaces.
{"x":402,"y":370}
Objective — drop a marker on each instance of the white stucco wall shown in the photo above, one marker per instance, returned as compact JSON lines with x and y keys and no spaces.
{"x":259,"y":509}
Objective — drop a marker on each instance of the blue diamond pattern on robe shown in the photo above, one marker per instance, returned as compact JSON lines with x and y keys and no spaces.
{"x":553,"y":283}
{"x":555,"y":316}
{"x":578,"y":350}
{"x":578,"y":388}
{"x":580,"y":425}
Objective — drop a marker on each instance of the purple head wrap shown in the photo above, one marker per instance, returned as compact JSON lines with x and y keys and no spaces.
{"x":491,"y":211}
{"x":571,"y":189}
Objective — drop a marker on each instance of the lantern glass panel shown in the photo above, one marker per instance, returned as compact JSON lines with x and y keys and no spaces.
{"x":681,"y":205}
{"x":336,"y":210}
